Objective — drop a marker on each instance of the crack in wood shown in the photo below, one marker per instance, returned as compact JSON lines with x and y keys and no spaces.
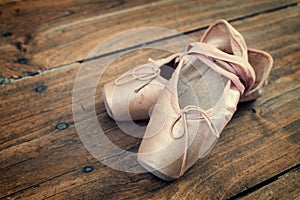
{"x":265,"y":183}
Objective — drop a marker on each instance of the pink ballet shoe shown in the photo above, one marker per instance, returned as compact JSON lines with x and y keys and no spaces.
{"x":224,"y":37}
{"x":132,"y":94}
{"x":200,"y":98}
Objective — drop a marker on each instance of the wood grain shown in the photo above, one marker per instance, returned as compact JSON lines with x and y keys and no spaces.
{"x":286,"y":187}
{"x":40,"y":161}
{"x":26,"y":21}
{"x":51,"y":34}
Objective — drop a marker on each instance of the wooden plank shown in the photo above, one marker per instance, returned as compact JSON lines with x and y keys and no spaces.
{"x":24,"y":23}
{"x":40,"y":161}
{"x":66,"y":32}
{"x":286,"y":187}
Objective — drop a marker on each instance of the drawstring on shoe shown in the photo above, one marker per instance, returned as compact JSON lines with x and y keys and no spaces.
{"x":140,"y":73}
{"x":183,"y":115}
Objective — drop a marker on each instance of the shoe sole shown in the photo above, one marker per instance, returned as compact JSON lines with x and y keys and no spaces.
{"x":155,"y":172}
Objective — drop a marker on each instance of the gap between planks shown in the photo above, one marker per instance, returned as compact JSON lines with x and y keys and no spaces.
{"x":39,"y":72}
{"x":275,"y":176}
{"x":265,"y":183}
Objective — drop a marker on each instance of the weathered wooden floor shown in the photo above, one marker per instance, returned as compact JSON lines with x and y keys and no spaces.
{"x":42,"y":45}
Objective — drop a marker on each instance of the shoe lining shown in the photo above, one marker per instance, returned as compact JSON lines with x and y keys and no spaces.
{"x":199,"y":85}
{"x":167,"y":70}
{"x":219,"y":37}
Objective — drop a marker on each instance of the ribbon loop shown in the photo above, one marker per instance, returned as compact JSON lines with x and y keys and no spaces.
{"x":201,"y":114}
{"x":142,"y":73}
{"x":184,"y":116}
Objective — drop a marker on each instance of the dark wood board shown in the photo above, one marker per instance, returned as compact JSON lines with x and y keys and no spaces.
{"x":39,"y":161}
{"x":45,"y":35}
